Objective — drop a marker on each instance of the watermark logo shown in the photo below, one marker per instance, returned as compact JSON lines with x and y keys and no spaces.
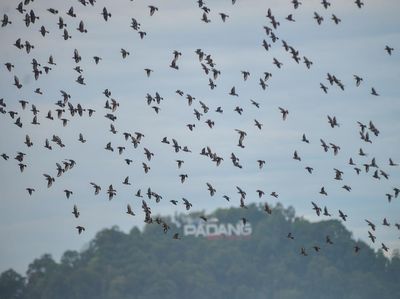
{"x":213,"y":229}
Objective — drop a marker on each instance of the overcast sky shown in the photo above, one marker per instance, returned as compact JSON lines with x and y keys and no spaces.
{"x":43,"y":222}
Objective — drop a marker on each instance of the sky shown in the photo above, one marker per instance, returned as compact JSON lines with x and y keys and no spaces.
{"x":43,"y":223}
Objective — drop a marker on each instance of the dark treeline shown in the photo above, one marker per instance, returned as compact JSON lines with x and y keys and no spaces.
{"x":151,"y":264}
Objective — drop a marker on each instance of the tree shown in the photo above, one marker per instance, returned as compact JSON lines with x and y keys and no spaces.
{"x":12,"y":285}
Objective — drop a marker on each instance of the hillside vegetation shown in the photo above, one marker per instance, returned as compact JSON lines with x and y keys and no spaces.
{"x":266,"y":264}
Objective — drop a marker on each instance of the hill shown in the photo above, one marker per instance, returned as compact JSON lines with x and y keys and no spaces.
{"x":227,"y":259}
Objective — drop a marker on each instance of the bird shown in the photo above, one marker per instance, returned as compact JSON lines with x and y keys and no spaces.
{"x":342,"y":215}
{"x":347,"y":188}
{"x":224,"y":16}
{"x":111,"y":192}
{"x":326,"y":213}
{"x":296,"y":156}
{"x":226,"y":197}
{"x":28,"y":141}
{"x":124,"y":53}
{"x":81,"y":28}
{"x":370,"y":224}
{"x":296,"y":3}
{"x":80,"y":229}
{"x":126,"y":181}
{"x":267,"y":208}
{"x":332,"y":121}
{"x":81,"y":139}
{"x":371,"y":236}
{"x":358,"y":80}
{"x":325,"y":4}
{"x":359,"y":3}
{"x":5,"y":21}
{"x":373,"y":92}
{"x":385,"y":222}
{"x":17,"y":83}
{"x":304,"y":139}
{"x":96,"y":187}
{"x":323,"y":87}
{"x":105,"y":14}
{"x":338,"y":174}
{"x":75,"y":212}
{"x":238,"y":110}
{"x":109,"y":147}
{"x":242,"y":134}
{"x":307,"y":62}
{"x":138,"y":193}
{"x":30,"y":190}
{"x":68,"y":193}
{"x":303,"y":251}
{"x":153,"y":9}
{"x":316,"y":208}
{"x":50,"y":180}
{"x":129,"y":210}
{"x":148,"y":72}
{"x":290,"y":18}
{"x":277,"y":63}
{"x":203,"y":218}
{"x":211,"y":189}
{"x":323,"y":192}
{"x":211,"y":84}
{"x":183,"y":177}
{"x":389,"y":50}
{"x":266,"y":45}
{"x":205,"y":19}
{"x":233,"y":92}
{"x":258,"y":124}
{"x":284,"y":112}
{"x":274,"y":194}
{"x":317,"y":248}
{"x":246,"y":75}
{"x":318,"y":18}
{"x":97,"y":59}
{"x":146,"y":168}
{"x":361,"y":152}
{"x":384,"y":174}
{"x":260,"y":193}
{"x":309,"y":169}
{"x":335,"y":19}
{"x":187,"y":204}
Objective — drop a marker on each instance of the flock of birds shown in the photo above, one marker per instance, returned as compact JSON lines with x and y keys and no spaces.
{"x":64,"y":106}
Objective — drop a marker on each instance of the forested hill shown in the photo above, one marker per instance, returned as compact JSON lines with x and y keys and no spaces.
{"x":263,"y":264}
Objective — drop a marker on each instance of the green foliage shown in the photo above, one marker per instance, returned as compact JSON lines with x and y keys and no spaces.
{"x":12,"y":285}
{"x":151,"y":264}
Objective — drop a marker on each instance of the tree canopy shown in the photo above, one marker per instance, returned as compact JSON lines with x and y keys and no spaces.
{"x":267,"y":264}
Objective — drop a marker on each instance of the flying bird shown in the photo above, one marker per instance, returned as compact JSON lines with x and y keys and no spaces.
{"x":153,"y":9}
{"x":129,"y":210}
{"x":80,"y":229}
{"x":75,"y":212}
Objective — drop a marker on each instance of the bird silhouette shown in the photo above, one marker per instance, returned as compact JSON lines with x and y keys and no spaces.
{"x":75,"y":211}
{"x":80,"y":229}
{"x":129,"y":210}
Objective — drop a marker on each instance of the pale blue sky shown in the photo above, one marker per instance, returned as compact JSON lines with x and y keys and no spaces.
{"x":31,"y":226}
